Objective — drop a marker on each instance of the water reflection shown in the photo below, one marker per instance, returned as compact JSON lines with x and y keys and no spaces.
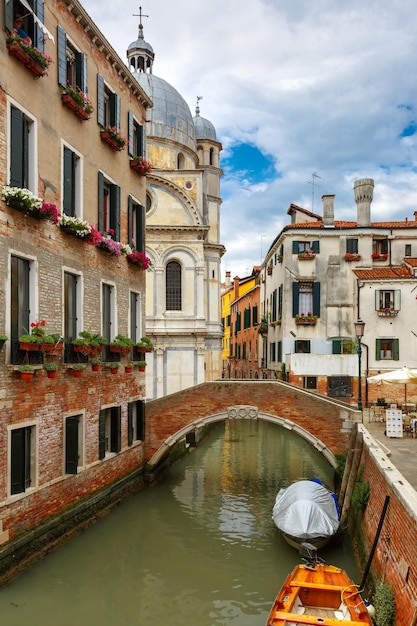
{"x":199,"y":547}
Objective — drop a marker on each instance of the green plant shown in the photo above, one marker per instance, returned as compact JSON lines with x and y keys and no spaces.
{"x":384,"y":603}
{"x":26,"y":368}
{"x":115,"y":135}
{"x":360,"y":496}
{"x":121,"y":341}
{"x":340,"y":463}
{"x":37,"y":55}
{"x":3,"y":337}
{"x":95,"y":361}
{"x":37,"y":334}
{"x":113,"y":366}
{"x":78,"y":367}
{"x":50,"y":367}
{"x":145,"y":343}
{"x":141,"y":363}
{"x":79,"y":97}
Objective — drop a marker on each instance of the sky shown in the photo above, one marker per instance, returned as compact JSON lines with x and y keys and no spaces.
{"x":306,"y":97}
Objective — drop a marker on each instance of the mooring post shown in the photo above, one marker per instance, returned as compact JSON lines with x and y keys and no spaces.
{"x":352,"y":478}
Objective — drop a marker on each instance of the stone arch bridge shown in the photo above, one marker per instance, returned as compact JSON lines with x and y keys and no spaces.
{"x":325,"y":422}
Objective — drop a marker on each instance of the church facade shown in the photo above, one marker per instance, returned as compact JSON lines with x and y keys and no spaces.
{"x":183,"y":316}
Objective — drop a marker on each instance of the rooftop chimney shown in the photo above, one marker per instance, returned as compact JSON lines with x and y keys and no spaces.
{"x":328,"y":210}
{"x":228,"y":281}
{"x":364,"y":192}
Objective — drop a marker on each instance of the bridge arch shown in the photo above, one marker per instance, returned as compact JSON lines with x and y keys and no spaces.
{"x":240,"y":411}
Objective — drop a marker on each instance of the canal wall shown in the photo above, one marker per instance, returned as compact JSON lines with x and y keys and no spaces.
{"x":395,"y":558}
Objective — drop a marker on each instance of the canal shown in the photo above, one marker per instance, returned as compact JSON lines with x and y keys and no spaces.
{"x":200,"y":547}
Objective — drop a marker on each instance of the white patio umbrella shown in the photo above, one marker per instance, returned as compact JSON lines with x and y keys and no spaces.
{"x":403,"y":375}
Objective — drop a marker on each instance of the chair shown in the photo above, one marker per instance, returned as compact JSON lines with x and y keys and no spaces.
{"x":406,"y":424}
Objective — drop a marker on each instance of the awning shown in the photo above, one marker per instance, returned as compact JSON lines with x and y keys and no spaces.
{"x":37,"y":20}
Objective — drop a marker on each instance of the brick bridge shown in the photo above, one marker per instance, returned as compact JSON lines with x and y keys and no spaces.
{"x":323,"y":421}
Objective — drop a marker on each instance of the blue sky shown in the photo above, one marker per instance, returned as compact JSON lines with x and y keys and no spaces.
{"x":293,"y":89}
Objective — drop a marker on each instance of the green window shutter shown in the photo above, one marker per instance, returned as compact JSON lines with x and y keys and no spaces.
{"x":129,"y":220}
{"x":8,"y":15}
{"x":71,"y":444}
{"x":100,"y":99}
{"x":39,"y":37}
{"x":337,"y":346}
{"x":280,"y":289}
{"x":81,"y":71}
{"x":130,"y":135}
{"x":396,"y":349}
{"x":115,"y":110}
{"x":141,"y":141}
{"x":315,"y":246}
{"x":377,"y":349}
{"x":115,"y":428}
{"x":295,"y":247}
{"x":295,"y":298}
{"x":102,"y":434}
{"x":100,"y":208}
{"x":19,"y":287}
{"x":115,"y":210}
{"x":69,"y":182}
{"x":274,"y":306}
{"x":130,"y":424}
{"x":140,"y":228}
{"x":17,"y":461}
{"x":279,"y":355}
{"x":18,"y":153}
{"x":254,"y":316}
{"x":140,"y":416}
{"x":316,"y":299}
{"x":62,"y":56}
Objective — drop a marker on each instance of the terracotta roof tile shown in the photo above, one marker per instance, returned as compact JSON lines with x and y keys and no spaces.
{"x":339,"y":224}
{"x":387,"y":273}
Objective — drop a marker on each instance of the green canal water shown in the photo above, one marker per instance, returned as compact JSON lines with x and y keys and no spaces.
{"x":200,"y":547}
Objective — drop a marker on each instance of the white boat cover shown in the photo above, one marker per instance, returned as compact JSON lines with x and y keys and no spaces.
{"x":306,"y":510}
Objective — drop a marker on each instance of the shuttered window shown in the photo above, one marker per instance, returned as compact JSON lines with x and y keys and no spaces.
{"x":136,"y":137}
{"x":21,"y":459}
{"x":71,"y":444}
{"x":108,"y":207}
{"x":109,"y":431}
{"x":387,"y":349}
{"x":108,"y":105}
{"x":19,"y":152}
{"x":136,"y":225}
{"x":306,"y":298}
{"x":72,"y":64}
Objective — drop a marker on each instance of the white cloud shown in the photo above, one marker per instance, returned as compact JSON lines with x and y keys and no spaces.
{"x":324,"y":87}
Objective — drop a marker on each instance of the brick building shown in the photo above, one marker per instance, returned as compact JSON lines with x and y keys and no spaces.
{"x":63,"y":439}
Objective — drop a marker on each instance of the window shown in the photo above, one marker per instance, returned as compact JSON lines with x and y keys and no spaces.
{"x":344,"y":346}
{"x":254,"y":316}
{"x":136,"y":225}
{"x":274,"y":306}
{"x":387,"y":349}
{"x":305,"y":246}
{"x":31,"y":27}
{"x":21,"y":303}
{"x":72,"y":64}
{"x":109,"y":431}
{"x":246,"y":318}
{"x":173,"y":286}
{"x":273,"y":352}
{"x":310,"y":382}
{"x":306,"y":298}
{"x":407,"y":251}
{"x":108,"y":105}
{"x":71,"y":195}
{"x":302,"y":346}
{"x":22,"y":459}
{"x":180,"y":161}
{"x":135,"y":421}
{"x":136,"y":137}
{"x":72,"y":314}
{"x":339,"y":386}
{"x":352,"y":246}
{"x":135,"y":322}
{"x":73,"y":444}
{"x":22,"y":150}
{"x":108,"y":321}
{"x":380,"y":246}
{"x":108,"y":207}
{"x":388,"y":299}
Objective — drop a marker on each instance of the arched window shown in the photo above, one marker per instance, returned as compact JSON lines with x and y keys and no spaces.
{"x":173,"y":286}
{"x":180,"y":161}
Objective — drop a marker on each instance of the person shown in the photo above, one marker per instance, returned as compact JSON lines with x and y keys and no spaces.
{"x":18,"y":30}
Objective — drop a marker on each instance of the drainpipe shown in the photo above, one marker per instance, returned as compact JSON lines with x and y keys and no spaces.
{"x":364,"y":345}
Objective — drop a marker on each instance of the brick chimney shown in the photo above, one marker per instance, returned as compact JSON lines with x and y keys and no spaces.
{"x":328,"y":210}
{"x":228,"y":281}
{"x":236,"y":282}
{"x":364,"y":192}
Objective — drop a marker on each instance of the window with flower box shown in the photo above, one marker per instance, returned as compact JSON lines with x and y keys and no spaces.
{"x":22,"y":150}
{"x":108,"y":105}
{"x":387,"y":301}
{"x":306,"y":247}
{"x":351,"y":245}
{"x":71,"y":193}
{"x":379,"y":248}
{"x":306,"y":298}
{"x":136,"y":136}
{"x":22,"y":459}
{"x":31,"y":27}
{"x":72,"y":68}
{"x":108,"y":320}
{"x":136,"y":225}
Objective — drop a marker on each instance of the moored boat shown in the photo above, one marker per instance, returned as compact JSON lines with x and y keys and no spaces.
{"x":318,"y":593}
{"x":306,"y":511}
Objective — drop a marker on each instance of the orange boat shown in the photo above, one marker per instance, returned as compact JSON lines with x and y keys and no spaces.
{"x":317,"y":593}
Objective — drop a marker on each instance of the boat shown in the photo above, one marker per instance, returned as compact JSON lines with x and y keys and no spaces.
{"x":318,"y":593}
{"x":306,"y":511}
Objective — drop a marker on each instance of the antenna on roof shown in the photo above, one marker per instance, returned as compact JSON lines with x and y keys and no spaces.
{"x":314,"y":184}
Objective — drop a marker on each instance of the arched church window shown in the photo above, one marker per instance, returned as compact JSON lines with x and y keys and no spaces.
{"x":173,"y":286}
{"x":180,"y":161}
{"x":211,"y":156}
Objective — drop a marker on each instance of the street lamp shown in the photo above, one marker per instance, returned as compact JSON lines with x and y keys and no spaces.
{"x":359,"y":331}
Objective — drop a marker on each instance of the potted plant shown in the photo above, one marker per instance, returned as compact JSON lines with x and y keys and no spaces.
{"x":112,"y":136}
{"x":89,"y":343}
{"x":23,"y":200}
{"x":95,"y":364}
{"x":75,"y":226}
{"x":26,"y":372}
{"x":141,"y":165}
{"x":129,"y":367}
{"x":145,"y":345}
{"x":139,"y":259}
{"x":121,"y":344}
{"x":51,"y":369}
{"x":77,"y":101}
{"x":37,"y":339}
{"x":3,"y":339}
{"x":114,"y":367}
{"x":34,"y":59}
{"x":141,"y":365}
{"x":77,"y":369}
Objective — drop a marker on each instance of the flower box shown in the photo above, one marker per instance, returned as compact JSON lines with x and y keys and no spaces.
{"x":141,"y":166}
{"x":120,"y":349}
{"x":30,"y":347}
{"x":263,"y":328}
{"x":349,"y":257}
{"x":306,"y":256}
{"x":139,"y":259}
{"x":307,"y":321}
{"x":33,"y":59}
{"x":79,"y":109}
{"x":387,"y":312}
{"x":379,"y":257}
{"x":113,"y":138}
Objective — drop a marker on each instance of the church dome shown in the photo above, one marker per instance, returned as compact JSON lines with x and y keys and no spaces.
{"x":170,"y":117}
{"x":204,"y":129}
